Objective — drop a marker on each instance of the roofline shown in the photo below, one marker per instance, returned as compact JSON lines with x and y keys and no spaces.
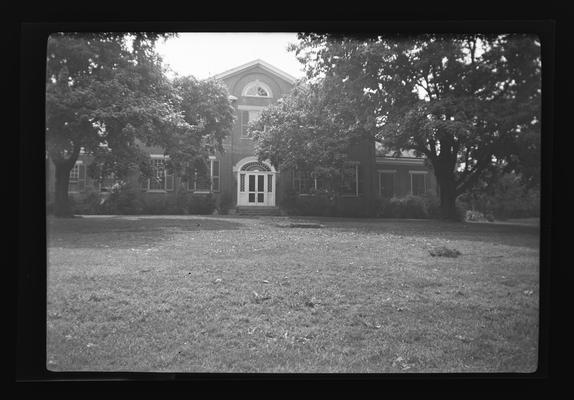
{"x":289,"y":78}
{"x":400,"y":160}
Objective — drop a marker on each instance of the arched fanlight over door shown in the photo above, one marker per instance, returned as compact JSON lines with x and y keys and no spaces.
{"x":255,"y":166}
{"x":257,"y":89}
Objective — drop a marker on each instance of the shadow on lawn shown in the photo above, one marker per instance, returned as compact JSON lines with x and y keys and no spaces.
{"x":512,"y":235}
{"x":119,"y":232}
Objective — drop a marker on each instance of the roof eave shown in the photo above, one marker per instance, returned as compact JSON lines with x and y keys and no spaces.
{"x":263,"y":64}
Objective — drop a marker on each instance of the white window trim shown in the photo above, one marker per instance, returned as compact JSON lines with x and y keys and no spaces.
{"x":159,"y":157}
{"x":77,"y":163}
{"x":257,"y":82}
{"x":206,"y":191}
{"x":297,"y":177}
{"x":247,"y":108}
{"x":250,"y":108}
{"x":411,"y":173}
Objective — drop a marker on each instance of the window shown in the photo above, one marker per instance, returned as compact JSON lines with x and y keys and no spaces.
{"x":306,"y":182}
{"x":77,"y":181}
{"x":257,"y":89}
{"x":248,"y":116}
{"x":157,"y":182}
{"x":162,"y":176}
{"x":203,"y":176}
{"x":418,"y":182}
{"x":350,"y":179}
{"x":303,"y":182}
{"x":387,"y":183}
{"x":198,"y":176}
{"x":215,"y":175}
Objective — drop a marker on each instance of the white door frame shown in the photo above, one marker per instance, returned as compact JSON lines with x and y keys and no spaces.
{"x":261,"y":179}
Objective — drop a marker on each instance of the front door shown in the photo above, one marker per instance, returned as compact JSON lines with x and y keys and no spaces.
{"x":256,"y":189}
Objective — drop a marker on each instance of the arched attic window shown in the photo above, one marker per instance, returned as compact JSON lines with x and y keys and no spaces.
{"x":257,"y":89}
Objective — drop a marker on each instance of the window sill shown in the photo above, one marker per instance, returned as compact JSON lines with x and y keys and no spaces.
{"x":155,"y":191}
{"x":257,"y":97}
{"x":316,"y":194}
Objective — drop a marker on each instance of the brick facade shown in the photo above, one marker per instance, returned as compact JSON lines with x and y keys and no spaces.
{"x":238,"y":148}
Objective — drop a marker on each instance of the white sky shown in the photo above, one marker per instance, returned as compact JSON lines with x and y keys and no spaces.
{"x":206,"y":54}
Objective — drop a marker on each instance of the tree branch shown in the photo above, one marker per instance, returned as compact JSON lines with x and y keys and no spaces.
{"x":466,"y":155}
{"x":425,"y":89}
{"x":428,"y":87}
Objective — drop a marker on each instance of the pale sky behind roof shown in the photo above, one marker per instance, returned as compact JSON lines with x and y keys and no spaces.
{"x":206,"y":54}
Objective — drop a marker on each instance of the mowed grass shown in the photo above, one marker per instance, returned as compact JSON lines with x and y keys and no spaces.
{"x":224,"y":294}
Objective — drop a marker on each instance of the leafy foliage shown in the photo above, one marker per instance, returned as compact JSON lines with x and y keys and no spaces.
{"x":203,"y":204}
{"x":507,"y":196}
{"x":206,"y":109}
{"x":468,"y":102}
{"x":102,"y":93}
{"x":107,"y":93}
{"x":225,"y":203}
{"x":299,"y":132}
{"x":415,"y":207}
{"x":104,"y":90}
{"x":317,"y":205}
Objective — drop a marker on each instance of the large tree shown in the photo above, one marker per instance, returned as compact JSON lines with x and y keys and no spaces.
{"x":469,"y":103}
{"x":207,"y":110}
{"x":299,"y":133}
{"x":104,"y":91}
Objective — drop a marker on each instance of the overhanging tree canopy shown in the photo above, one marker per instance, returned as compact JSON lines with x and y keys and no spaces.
{"x":106,"y":91}
{"x":467,"y":102}
{"x":299,"y":132}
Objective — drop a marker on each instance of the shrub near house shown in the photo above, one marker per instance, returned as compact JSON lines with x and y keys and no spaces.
{"x":507,"y":197}
{"x":414,"y":207}
{"x":409,"y":206}
{"x":129,"y":200}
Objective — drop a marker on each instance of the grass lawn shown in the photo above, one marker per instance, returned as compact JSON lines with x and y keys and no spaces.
{"x":231,"y":294}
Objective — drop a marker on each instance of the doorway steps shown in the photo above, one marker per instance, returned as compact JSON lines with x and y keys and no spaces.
{"x":258,"y":210}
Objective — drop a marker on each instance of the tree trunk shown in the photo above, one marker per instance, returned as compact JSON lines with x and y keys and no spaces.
{"x":447,"y":190}
{"x":62,"y":206}
{"x":448,"y":200}
{"x":370,"y":181}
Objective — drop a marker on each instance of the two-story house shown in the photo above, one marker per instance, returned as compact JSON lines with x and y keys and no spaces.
{"x":249,"y":184}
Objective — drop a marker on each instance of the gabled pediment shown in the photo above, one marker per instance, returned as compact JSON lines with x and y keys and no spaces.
{"x":254,"y":64}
